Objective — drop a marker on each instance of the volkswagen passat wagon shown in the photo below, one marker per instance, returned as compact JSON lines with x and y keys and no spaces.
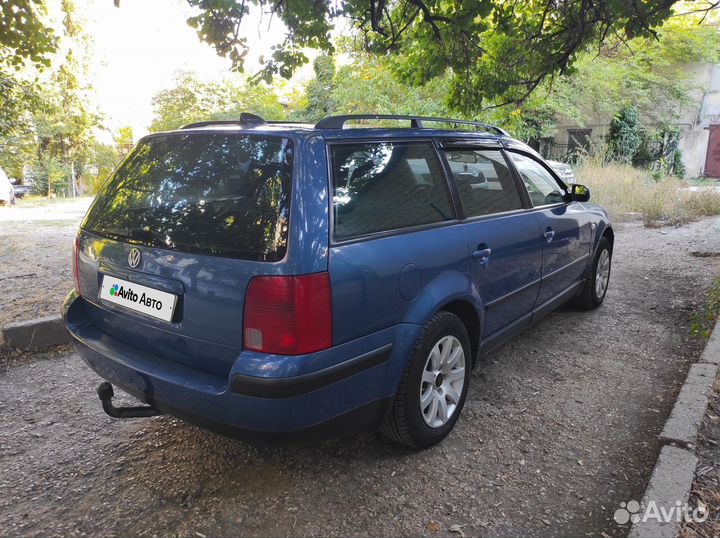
{"x":261,"y":278}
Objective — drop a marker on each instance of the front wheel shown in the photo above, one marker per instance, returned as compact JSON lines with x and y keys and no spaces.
{"x":433,"y":386}
{"x":596,"y":285}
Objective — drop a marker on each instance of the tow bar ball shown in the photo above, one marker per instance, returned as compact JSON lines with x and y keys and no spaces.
{"x":105,"y":393}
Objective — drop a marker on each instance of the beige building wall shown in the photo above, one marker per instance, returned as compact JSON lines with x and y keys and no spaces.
{"x":693,"y":121}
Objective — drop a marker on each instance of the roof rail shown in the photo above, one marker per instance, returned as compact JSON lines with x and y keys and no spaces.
{"x":416,"y":122}
{"x":245,"y":119}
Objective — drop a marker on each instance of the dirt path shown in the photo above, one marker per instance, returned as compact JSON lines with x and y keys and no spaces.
{"x":36,"y":257}
{"x":560,"y":426}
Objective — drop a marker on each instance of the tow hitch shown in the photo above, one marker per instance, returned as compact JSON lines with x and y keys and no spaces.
{"x":105,"y":392}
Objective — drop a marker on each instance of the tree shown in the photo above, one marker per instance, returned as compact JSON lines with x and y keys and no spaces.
{"x":64,"y":126}
{"x":369,"y":85}
{"x":483,"y":43}
{"x":25,"y":40}
{"x":646,"y":73}
{"x":320,"y":89}
{"x":191,"y":100}
{"x":23,"y":33}
{"x":124,"y":140}
{"x":52,"y":131}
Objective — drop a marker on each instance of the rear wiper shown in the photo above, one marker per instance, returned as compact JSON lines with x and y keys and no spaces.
{"x":138,"y":234}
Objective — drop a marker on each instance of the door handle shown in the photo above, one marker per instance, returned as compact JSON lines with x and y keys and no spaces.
{"x":482,"y":255}
{"x":549,"y":234}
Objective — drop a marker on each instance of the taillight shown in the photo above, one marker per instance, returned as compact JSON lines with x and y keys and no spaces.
{"x":288,"y":315}
{"x":76,"y":269}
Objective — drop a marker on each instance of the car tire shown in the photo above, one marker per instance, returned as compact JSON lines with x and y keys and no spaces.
{"x":433,"y":386}
{"x":596,"y":284}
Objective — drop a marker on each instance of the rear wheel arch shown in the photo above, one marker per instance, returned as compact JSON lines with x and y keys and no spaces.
{"x":468,"y":314}
{"x":609,"y":234}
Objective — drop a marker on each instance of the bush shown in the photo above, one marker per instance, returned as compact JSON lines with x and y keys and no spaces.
{"x":678,"y":166}
{"x":625,"y":135}
{"x":53,"y":172}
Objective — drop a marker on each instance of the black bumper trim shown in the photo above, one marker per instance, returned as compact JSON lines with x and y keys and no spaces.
{"x":366,"y":418}
{"x":286,"y":387}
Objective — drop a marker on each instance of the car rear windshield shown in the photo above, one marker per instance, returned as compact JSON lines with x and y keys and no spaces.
{"x":219,"y":194}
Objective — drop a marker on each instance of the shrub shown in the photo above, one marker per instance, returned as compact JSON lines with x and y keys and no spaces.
{"x":53,"y":172}
{"x":625,"y":135}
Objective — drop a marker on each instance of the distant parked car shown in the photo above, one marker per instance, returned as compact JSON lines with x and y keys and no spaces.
{"x":564,"y":171}
{"x":21,"y":190}
{"x":7,"y":193}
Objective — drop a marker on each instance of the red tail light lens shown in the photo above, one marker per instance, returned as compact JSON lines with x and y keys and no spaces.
{"x":288,"y":315}
{"x":76,"y":269}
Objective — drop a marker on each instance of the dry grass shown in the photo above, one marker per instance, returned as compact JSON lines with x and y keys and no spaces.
{"x":627,"y":192}
{"x":710,"y":497}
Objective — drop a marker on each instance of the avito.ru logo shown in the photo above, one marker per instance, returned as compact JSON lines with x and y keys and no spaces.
{"x":630,"y":512}
{"x":127,"y":294}
{"x":130,"y":295}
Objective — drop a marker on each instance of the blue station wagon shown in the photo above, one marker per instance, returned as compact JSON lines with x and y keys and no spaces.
{"x":267,"y":279}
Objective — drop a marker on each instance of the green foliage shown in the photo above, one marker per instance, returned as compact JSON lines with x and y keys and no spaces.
{"x":64,"y":126}
{"x":191,"y":100}
{"x":320,"y":89}
{"x":703,"y":321}
{"x":625,"y":135}
{"x":104,"y":158}
{"x":645,"y":73}
{"x":23,"y":33}
{"x":25,"y":40}
{"x":482,"y":44}
{"x":218,"y":23}
{"x":50,"y":175}
{"x":49,"y":129}
{"x":659,"y":151}
{"x":124,"y":140}
{"x":369,"y":85}
{"x":678,"y":166}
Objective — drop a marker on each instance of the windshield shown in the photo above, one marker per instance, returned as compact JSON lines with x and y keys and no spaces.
{"x":219,"y":194}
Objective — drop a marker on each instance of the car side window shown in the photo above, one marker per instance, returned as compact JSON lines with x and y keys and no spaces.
{"x":381,"y":186}
{"x":541,"y":185}
{"x":484,"y":181}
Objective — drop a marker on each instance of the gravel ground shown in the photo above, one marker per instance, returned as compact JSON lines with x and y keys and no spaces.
{"x":560,"y":426}
{"x":36,"y":241}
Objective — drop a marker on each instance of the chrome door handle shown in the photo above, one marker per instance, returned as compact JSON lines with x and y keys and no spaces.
{"x":549,"y":235}
{"x":482,"y":255}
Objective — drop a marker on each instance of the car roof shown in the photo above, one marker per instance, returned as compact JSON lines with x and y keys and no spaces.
{"x":334,"y":129}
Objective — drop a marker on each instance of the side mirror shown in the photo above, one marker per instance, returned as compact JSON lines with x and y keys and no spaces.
{"x":579,"y":193}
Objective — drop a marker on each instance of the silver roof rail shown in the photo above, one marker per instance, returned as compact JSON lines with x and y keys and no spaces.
{"x":416,"y":122}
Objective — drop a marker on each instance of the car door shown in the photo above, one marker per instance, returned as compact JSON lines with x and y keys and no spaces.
{"x":565,"y":227}
{"x":503,"y":237}
{"x":394,"y":230}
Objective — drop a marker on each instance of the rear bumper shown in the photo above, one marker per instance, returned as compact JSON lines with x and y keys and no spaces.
{"x":347,"y":388}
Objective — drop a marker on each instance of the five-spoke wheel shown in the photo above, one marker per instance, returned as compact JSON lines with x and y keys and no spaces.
{"x":434,"y":384}
{"x":442,"y":381}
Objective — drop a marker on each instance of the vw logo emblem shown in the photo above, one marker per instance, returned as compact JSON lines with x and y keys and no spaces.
{"x":134,"y":257}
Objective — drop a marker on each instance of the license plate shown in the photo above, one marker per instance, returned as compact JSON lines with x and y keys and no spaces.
{"x":151,"y":302}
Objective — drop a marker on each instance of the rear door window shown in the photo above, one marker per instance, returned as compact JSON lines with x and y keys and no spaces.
{"x":484,"y":181}
{"x":220,"y":194}
{"x":383,"y":186}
